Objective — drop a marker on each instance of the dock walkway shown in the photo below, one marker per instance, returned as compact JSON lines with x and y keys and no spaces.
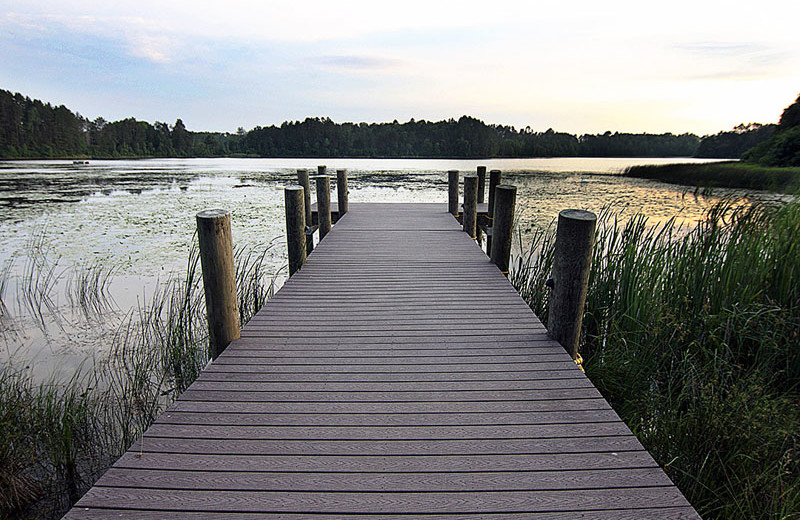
{"x":398,"y":373}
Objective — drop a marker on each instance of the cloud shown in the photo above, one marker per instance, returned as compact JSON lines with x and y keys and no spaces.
{"x":355,"y":62}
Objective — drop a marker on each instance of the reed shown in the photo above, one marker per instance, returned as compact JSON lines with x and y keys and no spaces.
{"x":57,"y":438}
{"x":727,"y":174}
{"x":693,"y":337}
{"x":88,"y":287}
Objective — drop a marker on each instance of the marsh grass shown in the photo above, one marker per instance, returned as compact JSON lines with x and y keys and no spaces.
{"x":693,"y":335}
{"x":58,"y":437}
{"x":88,"y":289}
{"x":40,"y":276}
{"x":726,"y":174}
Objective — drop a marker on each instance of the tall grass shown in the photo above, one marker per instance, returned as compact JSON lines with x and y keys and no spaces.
{"x":693,"y":335}
{"x":726,"y":174}
{"x":57,"y":438}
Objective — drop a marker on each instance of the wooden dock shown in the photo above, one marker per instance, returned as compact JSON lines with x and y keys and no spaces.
{"x":397,"y":374}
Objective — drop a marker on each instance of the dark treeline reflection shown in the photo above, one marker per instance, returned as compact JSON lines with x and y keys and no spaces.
{"x":31,"y":128}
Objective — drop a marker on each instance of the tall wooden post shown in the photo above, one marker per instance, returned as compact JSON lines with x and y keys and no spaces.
{"x":302,"y":179}
{"x":295,"y":226}
{"x":452,"y":191}
{"x":341,"y":191}
{"x":219,"y":278}
{"x":502,"y":226}
{"x":572,"y":261}
{"x":481,"y":183}
{"x":323,"y":204}
{"x":470,"y":218}
{"x":494,"y":180}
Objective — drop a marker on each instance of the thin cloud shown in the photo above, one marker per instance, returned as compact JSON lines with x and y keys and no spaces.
{"x":355,"y":62}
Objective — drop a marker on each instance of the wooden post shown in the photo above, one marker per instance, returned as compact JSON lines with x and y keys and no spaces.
{"x":452,"y":185}
{"x":219,"y":278}
{"x":470,"y":205}
{"x":341,"y":191}
{"x":502,"y":226}
{"x":323,"y":204}
{"x":572,"y":260}
{"x":295,"y":226}
{"x":481,"y":183}
{"x":302,"y":179}
{"x":494,"y":180}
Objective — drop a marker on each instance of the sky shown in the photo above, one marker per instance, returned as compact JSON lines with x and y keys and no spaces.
{"x":576,"y":66}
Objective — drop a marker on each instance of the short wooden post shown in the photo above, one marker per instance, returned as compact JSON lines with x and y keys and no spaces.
{"x":481,"y":183}
{"x":452,"y":184}
{"x":341,"y":191}
{"x":323,"y":204}
{"x":470,"y":218}
{"x":219,"y":278}
{"x":572,"y":261}
{"x":295,"y":226}
{"x":322,"y":170}
{"x":302,"y":179}
{"x":502,"y":226}
{"x":494,"y":180}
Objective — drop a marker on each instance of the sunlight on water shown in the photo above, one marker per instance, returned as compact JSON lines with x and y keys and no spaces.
{"x":138,"y":218}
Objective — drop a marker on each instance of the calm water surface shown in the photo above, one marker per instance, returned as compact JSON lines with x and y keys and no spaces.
{"x":138,"y":216}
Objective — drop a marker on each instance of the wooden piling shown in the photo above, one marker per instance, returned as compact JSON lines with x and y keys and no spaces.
{"x":502,"y":226}
{"x":452,"y":184}
{"x":323,"y":204}
{"x":294,"y":198}
{"x":470,"y":217}
{"x":302,"y":179}
{"x":571,"y":263}
{"x":219,"y":278}
{"x":494,"y":180}
{"x":341,"y":191}
{"x":481,"y":183}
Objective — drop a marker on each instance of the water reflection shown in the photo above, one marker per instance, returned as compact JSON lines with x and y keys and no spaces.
{"x":137,"y":217}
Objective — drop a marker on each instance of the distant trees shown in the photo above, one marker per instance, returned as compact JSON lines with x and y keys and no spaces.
{"x":29,"y":128}
{"x":732,"y":144}
{"x":783,"y":147}
{"x":638,"y":145}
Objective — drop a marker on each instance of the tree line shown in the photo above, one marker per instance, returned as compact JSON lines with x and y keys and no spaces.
{"x":33,"y":129}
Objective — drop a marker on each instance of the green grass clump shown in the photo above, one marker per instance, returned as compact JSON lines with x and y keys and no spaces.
{"x":57,"y":438}
{"x":727,"y":174}
{"x":693,"y":335}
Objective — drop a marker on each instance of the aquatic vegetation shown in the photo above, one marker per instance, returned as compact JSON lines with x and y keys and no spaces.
{"x":693,"y":335}
{"x":728,"y":174}
{"x":58,"y":437}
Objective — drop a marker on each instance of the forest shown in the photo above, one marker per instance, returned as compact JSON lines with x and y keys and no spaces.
{"x":30,"y":128}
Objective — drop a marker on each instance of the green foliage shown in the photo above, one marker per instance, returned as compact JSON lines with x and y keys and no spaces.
{"x":783,"y":148}
{"x":25,"y":134}
{"x":638,"y":145}
{"x":694,"y":338}
{"x":722,"y":175}
{"x":57,"y":438}
{"x":731,"y":145}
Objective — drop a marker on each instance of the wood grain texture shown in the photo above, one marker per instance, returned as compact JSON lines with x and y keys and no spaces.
{"x":396,"y":375}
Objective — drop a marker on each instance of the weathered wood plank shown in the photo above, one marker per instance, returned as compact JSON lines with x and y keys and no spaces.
{"x":396,"y":375}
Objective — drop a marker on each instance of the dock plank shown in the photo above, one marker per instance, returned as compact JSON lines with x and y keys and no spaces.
{"x":396,"y":375}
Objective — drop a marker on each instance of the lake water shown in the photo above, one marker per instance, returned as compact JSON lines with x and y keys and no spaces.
{"x":139,"y":217}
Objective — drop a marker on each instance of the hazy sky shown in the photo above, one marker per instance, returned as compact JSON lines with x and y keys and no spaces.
{"x":583,"y":67}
